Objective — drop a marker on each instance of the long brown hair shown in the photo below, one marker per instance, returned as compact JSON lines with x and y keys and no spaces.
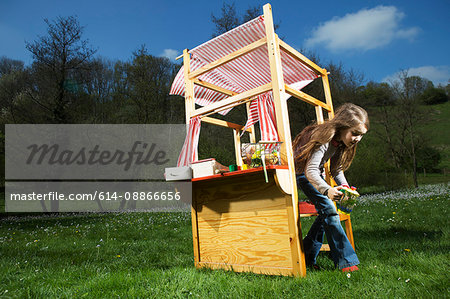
{"x":313,"y":136}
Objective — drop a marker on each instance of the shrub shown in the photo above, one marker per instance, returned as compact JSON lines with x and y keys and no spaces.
{"x":432,"y":96}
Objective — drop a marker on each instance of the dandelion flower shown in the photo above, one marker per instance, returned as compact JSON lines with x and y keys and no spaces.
{"x":393,"y":213}
{"x":118,"y":255}
{"x":407,"y":249}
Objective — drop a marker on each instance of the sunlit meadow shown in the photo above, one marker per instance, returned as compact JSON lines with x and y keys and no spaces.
{"x":402,"y":240}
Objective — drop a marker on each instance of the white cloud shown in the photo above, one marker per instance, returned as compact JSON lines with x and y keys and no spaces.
{"x":436,"y":74}
{"x":366,"y":29}
{"x":170,"y":53}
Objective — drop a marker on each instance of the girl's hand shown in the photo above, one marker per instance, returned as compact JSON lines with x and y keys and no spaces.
{"x":334,"y":193}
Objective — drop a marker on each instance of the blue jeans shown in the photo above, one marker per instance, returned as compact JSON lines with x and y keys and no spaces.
{"x":342,"y":252}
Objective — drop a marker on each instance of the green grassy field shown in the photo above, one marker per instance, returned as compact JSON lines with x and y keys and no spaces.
{"x":402,"y":240}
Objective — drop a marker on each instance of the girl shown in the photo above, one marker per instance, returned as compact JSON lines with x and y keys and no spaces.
{"x":336,"y":140}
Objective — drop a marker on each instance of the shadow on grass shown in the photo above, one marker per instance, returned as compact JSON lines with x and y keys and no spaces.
{"x":398,"y":235}
{"x":394,"y":241}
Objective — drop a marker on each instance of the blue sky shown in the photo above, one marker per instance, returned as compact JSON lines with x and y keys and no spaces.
{"x":376,"y":38}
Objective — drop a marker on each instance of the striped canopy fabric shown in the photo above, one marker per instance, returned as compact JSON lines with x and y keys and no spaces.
{"x":242,"y":74}
{"x":189,"y":151}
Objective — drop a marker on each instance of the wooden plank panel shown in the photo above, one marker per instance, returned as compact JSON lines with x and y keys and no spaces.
{"x":247,"y":268}
{"x":243,"y":221}
{"x":245,"y":238}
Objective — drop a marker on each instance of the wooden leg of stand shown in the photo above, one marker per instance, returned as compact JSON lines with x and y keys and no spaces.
{"x":349,"y":231}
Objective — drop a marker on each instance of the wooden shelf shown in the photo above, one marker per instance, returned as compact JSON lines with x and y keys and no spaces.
{"x":239,"y":173}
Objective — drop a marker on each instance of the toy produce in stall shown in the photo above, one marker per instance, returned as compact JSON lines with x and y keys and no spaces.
{"x":348,"y":201}
{"x":252,"y":153}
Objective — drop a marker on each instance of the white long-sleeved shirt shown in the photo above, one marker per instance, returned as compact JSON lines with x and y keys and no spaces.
{"x":315,"y":168}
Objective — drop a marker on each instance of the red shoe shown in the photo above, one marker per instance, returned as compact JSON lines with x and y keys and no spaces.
{"x":350,"y":269}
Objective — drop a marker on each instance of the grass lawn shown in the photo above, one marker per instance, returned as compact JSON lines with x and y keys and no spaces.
{"x":402,"y":240}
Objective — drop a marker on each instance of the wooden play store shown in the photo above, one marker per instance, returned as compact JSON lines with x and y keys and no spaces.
{"x":247,"y":218}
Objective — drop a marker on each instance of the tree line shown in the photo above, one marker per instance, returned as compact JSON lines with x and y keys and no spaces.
{"x":67,"y":83}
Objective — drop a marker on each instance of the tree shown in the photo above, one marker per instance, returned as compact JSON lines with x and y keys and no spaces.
{"x":99,"y":88}
{"x":230,"y":19}
{"x":432,"y":96}
{"x":8,"y":65}
{"x":401,"y":122}
{"x":149,"y":80}
{"x":376,"y":94}
{"x":58,"y":58}
{"x":251,"y":13}
{"x":227,"y":21}
{"x":14,"y":102}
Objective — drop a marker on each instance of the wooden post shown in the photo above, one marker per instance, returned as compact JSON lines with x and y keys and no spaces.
{"x":237,"y":146}
{"x":189,"y":105}
{"x":327,"y":91}
{"x":319,"y":115}
{"x":284,"y":133}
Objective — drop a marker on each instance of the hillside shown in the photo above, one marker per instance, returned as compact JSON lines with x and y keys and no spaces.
{"x":438,"y":132}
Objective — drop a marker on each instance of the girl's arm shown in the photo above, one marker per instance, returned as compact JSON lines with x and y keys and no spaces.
{"x":340,"y":179}
{"x":313,"y":170}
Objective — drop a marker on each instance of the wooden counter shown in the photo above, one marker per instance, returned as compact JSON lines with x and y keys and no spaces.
{"x":242,"y":223}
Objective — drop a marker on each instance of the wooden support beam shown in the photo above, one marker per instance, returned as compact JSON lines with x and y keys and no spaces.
{"x":225,"y":124}
{"x":307,"y":98}
{"x":232,"y":101}
{"x":319,"y":114}
{"x":228,"y":58}
{"x":214,"y":87}
{"x":189,"y":103}
{"x":284,"y":133}
{"x":297,"y":55}
{"x":327,"y":91}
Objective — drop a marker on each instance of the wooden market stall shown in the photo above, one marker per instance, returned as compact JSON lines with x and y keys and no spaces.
{"x":240,"y":220}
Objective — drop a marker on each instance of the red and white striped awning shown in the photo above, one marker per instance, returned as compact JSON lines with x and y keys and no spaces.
{"x":241,"y":74}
